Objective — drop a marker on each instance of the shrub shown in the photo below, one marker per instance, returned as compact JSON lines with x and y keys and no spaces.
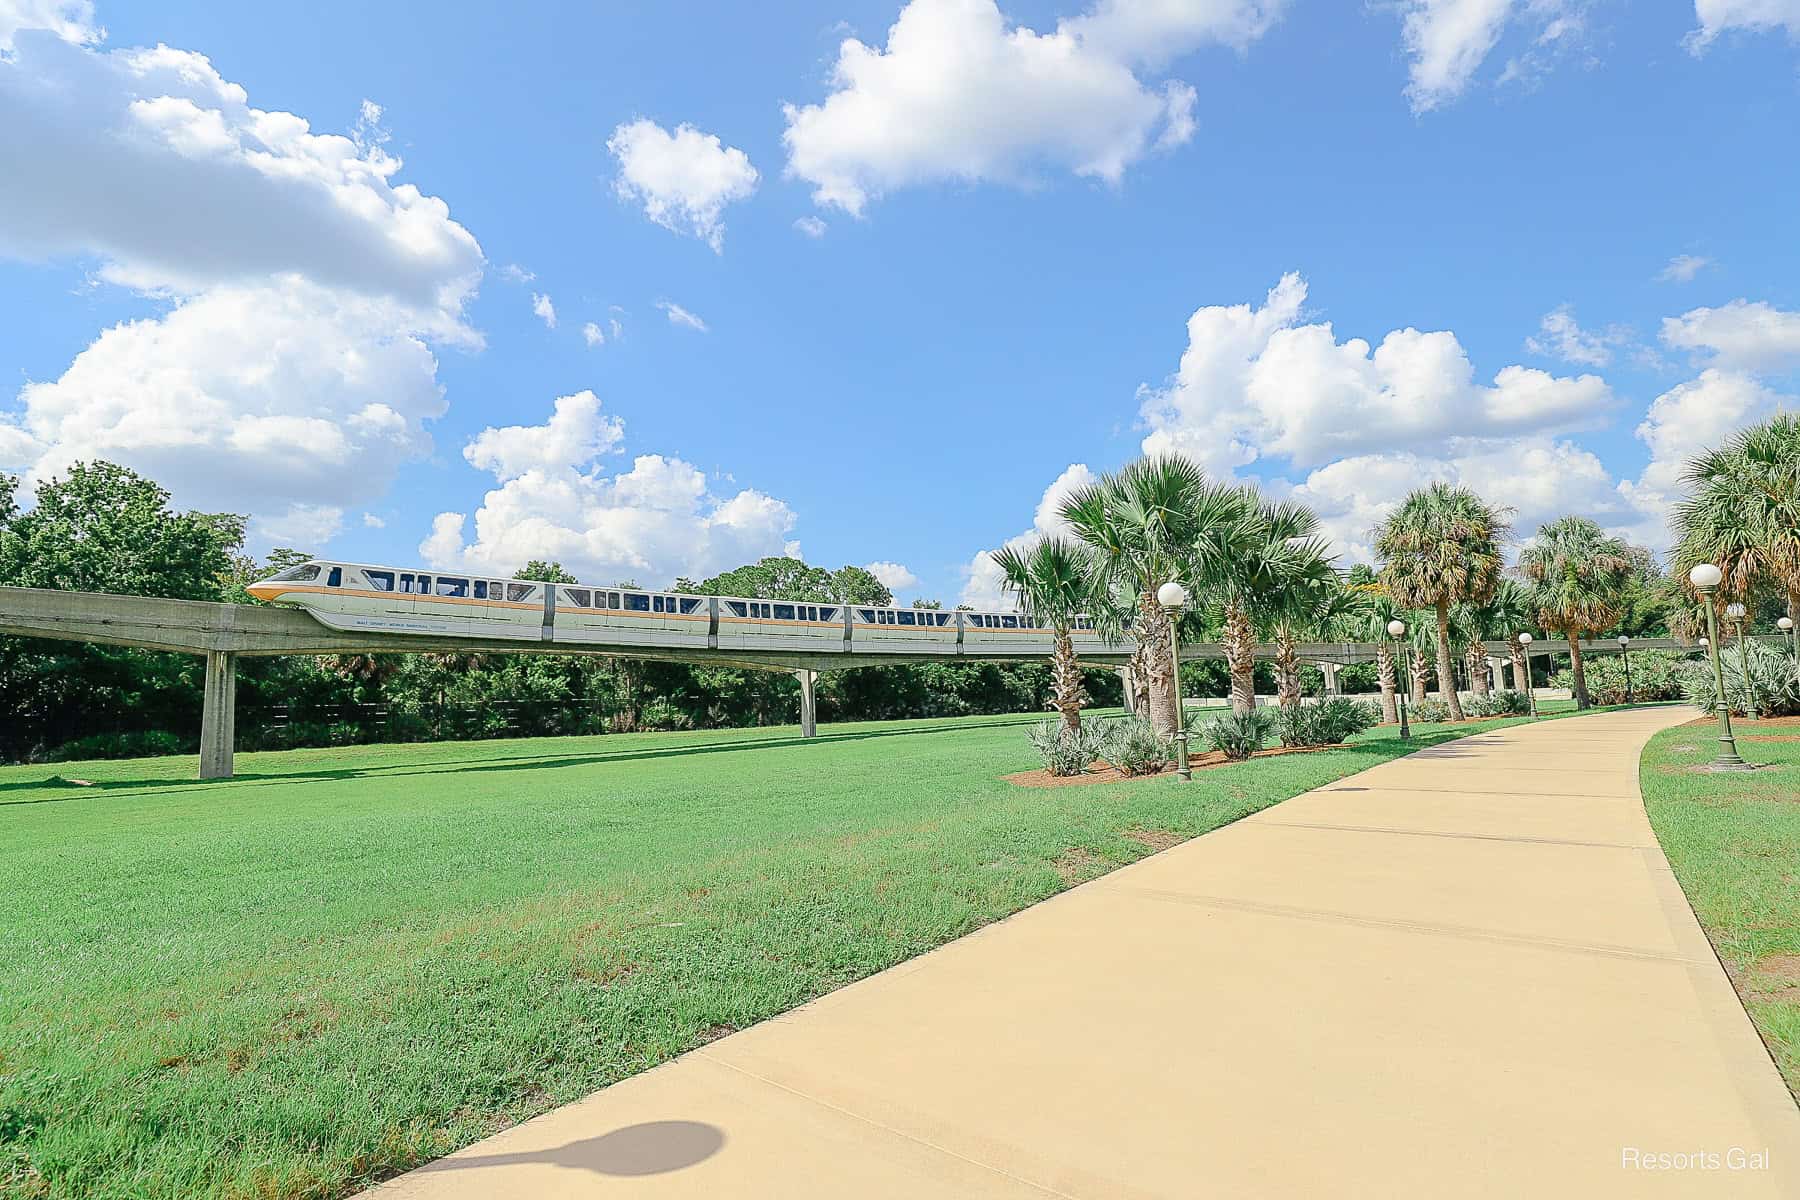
{"x":1066,"y":751}
{"x":1655,"y":675}
{"x":1504,"y":703}
{"x":1430,"y":709}
{"x":144,"y":744}
{"x":1327,"y":723}
{"x":1238,"y":735}
{"x":1135,"y":748}
{"x":1772,"y":683}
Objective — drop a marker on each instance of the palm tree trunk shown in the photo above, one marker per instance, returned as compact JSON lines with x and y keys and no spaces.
{"x":1475,"y":660}
{"x":1577,"y":670}
{"x":1421,"y":671}
{"x":1446,"y":669}
{"x":1521,"y":668}
{"x":1240,"y":657}
{"x":1287,"y":667}
{"x":1153,"y":635}
{"x":1065,"y":678}
{"x":1384,"y":665}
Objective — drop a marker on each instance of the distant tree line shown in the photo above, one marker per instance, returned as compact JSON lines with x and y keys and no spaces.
{"x":104,"y":528}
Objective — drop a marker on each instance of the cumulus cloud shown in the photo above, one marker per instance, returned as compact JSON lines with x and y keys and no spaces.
{"x":1687,"y":419}
{"x":593,"y":335}
{"x":1448,"y":40}
{"x":960,"y":94}
{"x":555,"y":500}
{"x":1257,"y":382}
{"x":274,"y":399}
{"x":984,"y":584}
{"x":894,"y":576}
{"x":543,"y":309}
{"x":1563,"y":337}
{"x":680,"y":316}
{"x":1683,"y":267}
{"x":150,"y":161}
{"x":1753,"y":16}
{"x":812,"y":227}
{"x":683,"y":179}
{"x":286,"y":370}
{"x":1740,"y":335}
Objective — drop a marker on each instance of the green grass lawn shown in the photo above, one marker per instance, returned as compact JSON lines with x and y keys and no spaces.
{"x":343,"y":963}
{"x":1734,"y":841}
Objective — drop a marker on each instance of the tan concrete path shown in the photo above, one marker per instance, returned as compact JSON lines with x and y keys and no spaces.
{"x":1464,"y":973}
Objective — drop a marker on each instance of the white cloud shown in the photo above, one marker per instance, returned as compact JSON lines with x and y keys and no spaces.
{"x":894,"y":576}
{"x":371,"y":521}
{"x":273,"y":400}
{"x":652,"y":523}
{"x":1448,"y":40}
{"x":70,"y":20}
{"x":1564,"y":338}
{"x":1740,"y":335}
{"x":1683,"y":267}
{"x":1256,"y":382}
{"x":1689,"y":418}
{"x":593,"y":335}
{"x":152,"y":162}
{"x":683,"y":179}
{"x":959,"y":94}
{"x":984,"y":586}
{"x":812,"y":227}
{"x":303,"y":526}
{"x":514,"y":273}
{"x":679,"y":316}
{"x":1755,"y":16}
{"x":543,"y":309}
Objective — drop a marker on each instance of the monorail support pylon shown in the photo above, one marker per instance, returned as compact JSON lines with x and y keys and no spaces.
{"x":809,"y":703}
{"x":218,"y":716}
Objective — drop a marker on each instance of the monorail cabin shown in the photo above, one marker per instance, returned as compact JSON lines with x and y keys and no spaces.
{"x":447,"y":603}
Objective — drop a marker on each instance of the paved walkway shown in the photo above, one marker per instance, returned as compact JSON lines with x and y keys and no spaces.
{"x":1464,"y":973}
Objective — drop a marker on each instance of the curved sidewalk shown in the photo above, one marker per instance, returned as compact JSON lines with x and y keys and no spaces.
{"x":1464,"y":973}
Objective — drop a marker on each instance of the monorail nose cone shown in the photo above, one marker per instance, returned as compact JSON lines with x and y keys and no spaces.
{"x":263,"y":591}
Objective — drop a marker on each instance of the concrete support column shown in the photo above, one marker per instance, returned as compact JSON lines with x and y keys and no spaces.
{"x":218,"y":715}
{"x":809,"y":704}
{"x":1130,"y":689}
{"x":1331,"y":678}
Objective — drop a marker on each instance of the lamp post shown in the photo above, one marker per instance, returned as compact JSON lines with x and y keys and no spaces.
{"x":1786,"y":625}
{"x":1625,"y":651}
{"x":1530,"y":688}
{"x":1705,"y":578}
{"x":1173,"y":598}
{"x":1736,"y":613}
{"x":1397,"y":630}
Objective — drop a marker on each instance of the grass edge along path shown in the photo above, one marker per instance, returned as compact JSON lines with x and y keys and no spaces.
{"x":1733,"y":841}
{"x":346,"y":963}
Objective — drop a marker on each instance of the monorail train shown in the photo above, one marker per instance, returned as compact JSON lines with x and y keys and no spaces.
{"x":356,"y":596}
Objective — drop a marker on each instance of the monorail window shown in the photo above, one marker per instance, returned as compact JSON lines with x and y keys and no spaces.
{"x":520,"y":592}
{"x":784,"y":612}
{"x":689,"y":605}
{"x":299,"y":574}
{"x":1009,"y":622}
{"x":906,"y":618}
{"x":828,"y":614}
{"x":868,"y":615}
{"x":406,"y":583}
{"x":579,"y":597}
{"x":481,"y":589}
{"x":336,"y":578}
{"x":380,"y":581}
{"x":635,"y":602}
{"x":735,"y":608}
{"x":452,"y":587}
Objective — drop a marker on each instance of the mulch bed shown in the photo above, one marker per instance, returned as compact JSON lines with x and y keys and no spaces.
{"x":1100,"y":772}
{"x":1778,"y":722}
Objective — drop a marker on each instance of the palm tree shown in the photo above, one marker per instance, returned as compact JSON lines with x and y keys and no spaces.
{"x":1578,"y":576}
{"x":1261,"y":568}
{"x":1506,"y":614}
{"x":1053,"y":580}
{"x":1441,"y":548}
{"x":1742,"y":512}
{"x":1306,"y":600}
{"x":1368,"y":610}
{"x":1146,"y":523}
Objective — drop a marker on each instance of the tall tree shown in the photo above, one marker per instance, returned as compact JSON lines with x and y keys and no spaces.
{"x":1147,"y":524}
{"x":1441,"y":548}
{"x":1742,"y":511}
{"x":1264,"y":566}
{"x":781,"y":578}
{"x":1054,"y":580}
{"x":1578,"y":576}
{"x":541,"y":571}
{"x":1505,"y":615}
{"x":1365,"y":619}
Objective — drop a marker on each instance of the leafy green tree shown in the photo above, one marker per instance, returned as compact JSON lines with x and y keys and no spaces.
{"x":779,"y":578}
{"x":1441,"y":548}
{"x":1054,"y":580}
{"x":1578,"y":576}
{"x":540,"y":571}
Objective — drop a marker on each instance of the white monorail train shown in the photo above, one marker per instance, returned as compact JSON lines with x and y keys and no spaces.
{"x":355,"y":596}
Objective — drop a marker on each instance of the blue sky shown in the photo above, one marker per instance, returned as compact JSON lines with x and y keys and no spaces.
{"x":1015,"y":214}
